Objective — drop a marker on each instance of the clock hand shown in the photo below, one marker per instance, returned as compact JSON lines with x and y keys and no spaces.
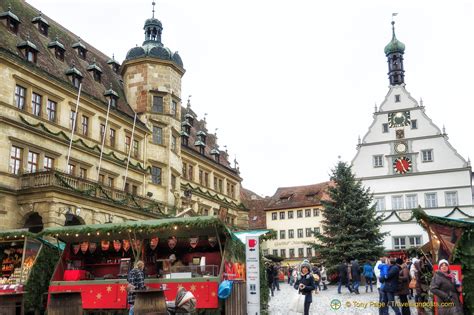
{"x":403,"y":167}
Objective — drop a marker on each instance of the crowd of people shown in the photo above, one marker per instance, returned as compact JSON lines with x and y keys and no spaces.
{"x":400,"y":283}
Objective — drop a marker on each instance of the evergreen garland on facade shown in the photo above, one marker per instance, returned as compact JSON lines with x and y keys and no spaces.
{"x":351,"y":226}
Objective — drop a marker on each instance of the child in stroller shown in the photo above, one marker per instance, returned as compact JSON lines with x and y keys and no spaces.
{"x":185,"y":303}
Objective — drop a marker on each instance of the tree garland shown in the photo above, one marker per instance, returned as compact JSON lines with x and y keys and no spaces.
{"x":415,"y":214}
{"x":207,"y":193}
{"x":154,"y":205}
{"x":94,"y":148}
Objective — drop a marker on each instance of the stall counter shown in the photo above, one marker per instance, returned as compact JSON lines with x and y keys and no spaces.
{"x":112,"y":294}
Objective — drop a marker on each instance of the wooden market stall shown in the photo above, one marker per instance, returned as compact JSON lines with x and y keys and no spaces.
{"x":19,"y":250}
{"x":178,"y":252}
{"x":452,"y":239}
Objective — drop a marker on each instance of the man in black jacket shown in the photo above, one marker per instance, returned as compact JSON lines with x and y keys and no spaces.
{"x":355,"y":271}
{"x":343,"y":277}
{"x":391,"y":285}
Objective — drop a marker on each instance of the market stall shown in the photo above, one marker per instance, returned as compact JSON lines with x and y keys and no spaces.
{"x":18,"y":253}
{"x":178,"y":252}
{"x":452,"y":239}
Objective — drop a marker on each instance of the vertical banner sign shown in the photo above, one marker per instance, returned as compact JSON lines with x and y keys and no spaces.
{"x":252,"y":252}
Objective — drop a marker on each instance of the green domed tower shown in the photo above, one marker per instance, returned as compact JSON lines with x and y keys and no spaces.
{"x":394,"y":52}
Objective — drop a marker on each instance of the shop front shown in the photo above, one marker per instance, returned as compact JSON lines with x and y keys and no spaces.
{"x":188,"y":253}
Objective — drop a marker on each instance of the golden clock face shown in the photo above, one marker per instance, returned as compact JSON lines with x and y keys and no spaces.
{"x":399,"y":119}
{"x":401,"y":147}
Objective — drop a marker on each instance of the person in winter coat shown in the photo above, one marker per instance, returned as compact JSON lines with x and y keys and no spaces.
{"x":317,"y":280}
{"x":391,"y":285}
{"x":269,"y":272}
{"x":377,"y":271}
{"x":447,"y":288}
{"x":403,"y":289}
{"x":276,"y":278}
{"x":305,"y":285}
{"x":136,"y":281}
{"x":421,"y":289}
{"x":368,"y":273}
{"x":290,"y":272}
{"x":343,"y":277}
{"x":355,"y":273}
{"x":324,"y":277}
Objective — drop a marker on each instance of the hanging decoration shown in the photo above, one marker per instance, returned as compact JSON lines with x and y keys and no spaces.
{"x":193,"y":241}
{"x":105,"y":245}
{"x":75,"y":248}
{"x":212,"y":241}
{"x":117,"y":245}
{"x":126,"y":245}
{"x":172,"y":241}
{"x":136,"y":244}
{"x":84,"y":246}
{"x":92,"y":247}
{"x":154,"y":242}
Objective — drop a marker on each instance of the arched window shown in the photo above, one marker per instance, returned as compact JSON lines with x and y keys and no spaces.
{"x":34,"y":223}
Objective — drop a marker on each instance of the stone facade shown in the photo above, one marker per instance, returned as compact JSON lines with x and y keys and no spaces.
{"x":38,"y":98}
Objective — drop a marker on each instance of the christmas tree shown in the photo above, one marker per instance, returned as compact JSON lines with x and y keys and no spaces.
{"x":350,"y":223}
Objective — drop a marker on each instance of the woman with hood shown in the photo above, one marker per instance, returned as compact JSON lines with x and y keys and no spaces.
{"x":447,"y":288}
{"x":305,"y":285}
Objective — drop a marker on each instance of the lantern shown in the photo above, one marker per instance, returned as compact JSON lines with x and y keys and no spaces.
{"x":154,"y":242}
{"x":126,"y":245}
{"x":136,"y":244}
{"x":212,"y":241}
{"x":92,"y":247}
{"x":172,"y":241}
{"x":193,"y":241}
{"x":117,"y":245}
{"x":75,"y":248}
{"x":105,"y":245}
{"x":84,"y":246}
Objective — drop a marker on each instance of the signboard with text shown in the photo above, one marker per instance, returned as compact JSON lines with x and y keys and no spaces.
{"x":252,"y":257}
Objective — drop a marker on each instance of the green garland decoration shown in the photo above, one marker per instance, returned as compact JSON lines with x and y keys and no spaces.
{"x":208,"y":194}
{"x":92,"y":192}
{"x":95,"y":148}
{"x":15,"y":234}
{"x":415,"y":214}
{"x":38,"y":281}
{"x":147,"y":226}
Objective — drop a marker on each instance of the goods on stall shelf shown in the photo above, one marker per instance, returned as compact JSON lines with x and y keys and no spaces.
{"x":178,"y":253}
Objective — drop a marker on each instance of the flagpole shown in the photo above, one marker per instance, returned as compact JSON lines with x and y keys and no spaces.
{"x":103,"y":140}
{"x":73,"y":127}
{"x":129,"y":150}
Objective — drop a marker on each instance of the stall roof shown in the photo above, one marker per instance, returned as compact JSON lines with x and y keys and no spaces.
{"x":139,"y":229}
{"x":243,"y":234}
{"x":15,"y":234}
{"x":419,"y":214}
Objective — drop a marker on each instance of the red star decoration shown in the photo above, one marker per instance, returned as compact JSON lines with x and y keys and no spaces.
{"x":193,"y":288}
{"x":109,"y":289}
{"x":98,"y":296}
{"x":122,"y":288}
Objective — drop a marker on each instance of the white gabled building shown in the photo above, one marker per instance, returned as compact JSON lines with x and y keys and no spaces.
{"x":407,"y":162}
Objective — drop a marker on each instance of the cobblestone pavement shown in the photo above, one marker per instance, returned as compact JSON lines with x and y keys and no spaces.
{"x":362,"y":304}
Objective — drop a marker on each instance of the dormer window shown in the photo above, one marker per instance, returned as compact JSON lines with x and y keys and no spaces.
{"x":113,"y":64}
{"x":216,"y":153}
{"x":189,"y":119}
{"x":12,"y":21}
{"x":201,"y":136}
{"x":29,"y":50}
{"x":43,"y":25}
{"x":58,"y":49}
{"x":111,"y":96}
{"x":81,"y":49}
{"x":75,"y":75}
{"x":95,"y":70}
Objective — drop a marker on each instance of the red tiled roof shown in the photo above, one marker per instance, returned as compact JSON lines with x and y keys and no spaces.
{"x":298,"y":196}
{"x":256,"y":206}
{"x":48,"y":64}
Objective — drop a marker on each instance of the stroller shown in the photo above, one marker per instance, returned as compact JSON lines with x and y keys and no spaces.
{"x":185,"y":303}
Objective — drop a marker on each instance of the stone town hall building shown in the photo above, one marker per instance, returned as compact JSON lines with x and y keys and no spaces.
{"x":407,"y":161}
{"x":175,"y":167}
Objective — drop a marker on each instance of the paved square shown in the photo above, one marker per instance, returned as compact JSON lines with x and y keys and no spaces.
{"x":362,"y":304}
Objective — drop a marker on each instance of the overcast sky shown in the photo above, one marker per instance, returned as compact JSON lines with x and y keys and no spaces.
{"x":290,"y":85}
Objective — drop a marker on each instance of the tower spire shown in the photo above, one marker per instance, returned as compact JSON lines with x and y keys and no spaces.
{"x":394,"y":52}
{"x":153,"y":10}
